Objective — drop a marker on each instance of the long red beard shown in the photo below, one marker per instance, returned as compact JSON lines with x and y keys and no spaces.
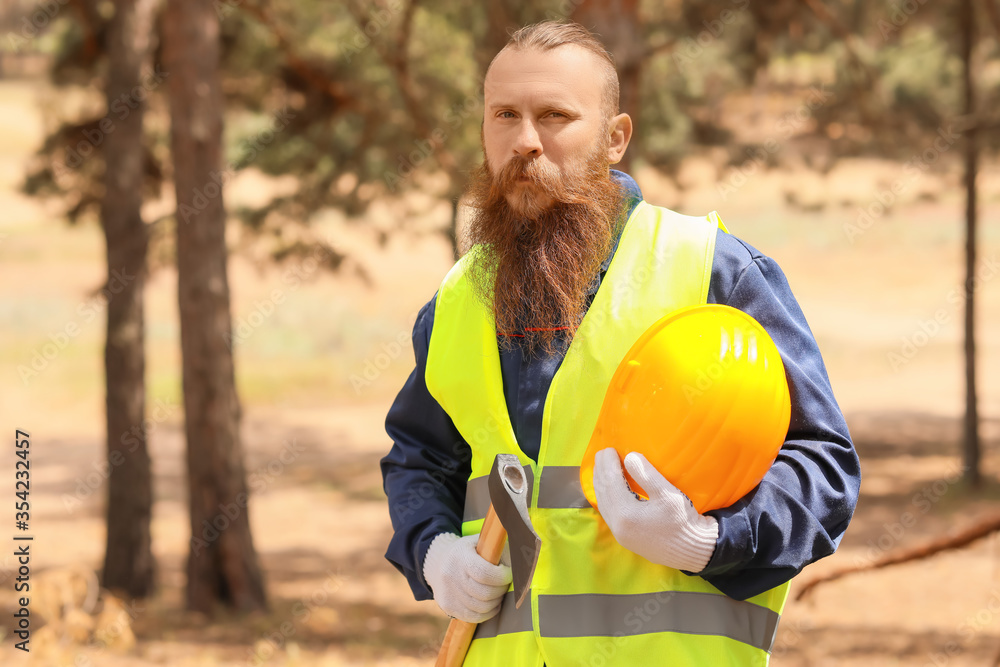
{"x":534,"y":266}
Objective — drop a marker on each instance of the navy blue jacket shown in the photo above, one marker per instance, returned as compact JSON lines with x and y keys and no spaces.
{"x":797,"y":514}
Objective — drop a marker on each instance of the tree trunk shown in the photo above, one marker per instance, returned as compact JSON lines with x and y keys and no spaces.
{"x":128,"y":559}
{"x":222,"y":564}
{"x":616,"y":23}
{"x":971,"y":445}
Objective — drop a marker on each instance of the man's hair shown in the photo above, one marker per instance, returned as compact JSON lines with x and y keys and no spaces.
{"x":551,"y":34}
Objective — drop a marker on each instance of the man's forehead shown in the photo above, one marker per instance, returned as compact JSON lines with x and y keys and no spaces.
{"x":565,"y":71}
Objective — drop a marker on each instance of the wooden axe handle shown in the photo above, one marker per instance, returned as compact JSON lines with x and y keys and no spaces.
{"x":459,"y":636}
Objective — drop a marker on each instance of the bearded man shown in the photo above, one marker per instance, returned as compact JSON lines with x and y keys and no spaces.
{"x":566,"y":262}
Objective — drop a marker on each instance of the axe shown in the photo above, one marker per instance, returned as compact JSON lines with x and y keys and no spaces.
{"x":507,"y":516}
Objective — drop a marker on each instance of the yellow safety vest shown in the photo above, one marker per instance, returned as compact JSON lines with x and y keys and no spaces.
{"x":593,"y":602}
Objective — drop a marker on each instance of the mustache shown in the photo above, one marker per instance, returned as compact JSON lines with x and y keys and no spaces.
{"x":543,"y":175}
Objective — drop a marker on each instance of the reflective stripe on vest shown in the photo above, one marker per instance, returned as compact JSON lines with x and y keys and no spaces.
{"x":592,"y":601}
{"x":560,"y":489}
{"x":604,"y":615}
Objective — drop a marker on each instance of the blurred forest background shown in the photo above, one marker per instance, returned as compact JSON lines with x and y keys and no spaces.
{"x":218,"y":219}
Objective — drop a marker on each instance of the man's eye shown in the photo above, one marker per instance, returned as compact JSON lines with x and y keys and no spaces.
{"x":506,"y":114}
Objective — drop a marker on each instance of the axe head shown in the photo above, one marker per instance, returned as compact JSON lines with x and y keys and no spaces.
{"x":509,"y":495}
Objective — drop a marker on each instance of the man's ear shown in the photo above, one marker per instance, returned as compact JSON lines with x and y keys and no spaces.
{"x":620,"y":129}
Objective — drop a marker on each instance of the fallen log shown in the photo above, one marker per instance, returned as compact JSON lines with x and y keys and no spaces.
{"x":957,"y":540}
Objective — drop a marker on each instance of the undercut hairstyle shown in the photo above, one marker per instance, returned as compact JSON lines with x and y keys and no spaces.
{"x":552,"y":34}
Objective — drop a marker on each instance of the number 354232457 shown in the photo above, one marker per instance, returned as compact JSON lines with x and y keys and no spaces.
{"x":22,"y":479}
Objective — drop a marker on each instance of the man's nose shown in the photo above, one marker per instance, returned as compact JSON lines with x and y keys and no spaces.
{"x":528,"y":143}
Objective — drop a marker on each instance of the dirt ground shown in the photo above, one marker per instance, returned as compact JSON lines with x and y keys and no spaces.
{"x":318,"y":369}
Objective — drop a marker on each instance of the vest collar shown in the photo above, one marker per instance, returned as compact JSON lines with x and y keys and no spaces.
{"x":633,"y":195}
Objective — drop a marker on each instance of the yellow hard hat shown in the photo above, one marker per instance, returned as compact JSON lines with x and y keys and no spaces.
{"x":703,"y":395}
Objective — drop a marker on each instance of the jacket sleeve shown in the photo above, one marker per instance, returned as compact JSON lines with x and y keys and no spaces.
{"x":799,"y":512}
{"x":425,"y":473}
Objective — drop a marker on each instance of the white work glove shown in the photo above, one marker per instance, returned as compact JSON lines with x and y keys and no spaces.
{"x":465,"y":585}
{"x":666,"y":529}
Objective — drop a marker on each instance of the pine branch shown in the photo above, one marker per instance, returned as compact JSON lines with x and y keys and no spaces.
{"x":397,"y":61}
{"x":314,"y":76}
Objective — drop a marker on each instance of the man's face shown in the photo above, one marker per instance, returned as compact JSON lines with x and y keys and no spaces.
{"x":546,"y":107}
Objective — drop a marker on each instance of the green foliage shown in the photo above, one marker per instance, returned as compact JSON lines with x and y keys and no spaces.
{"x":359,"y":100}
